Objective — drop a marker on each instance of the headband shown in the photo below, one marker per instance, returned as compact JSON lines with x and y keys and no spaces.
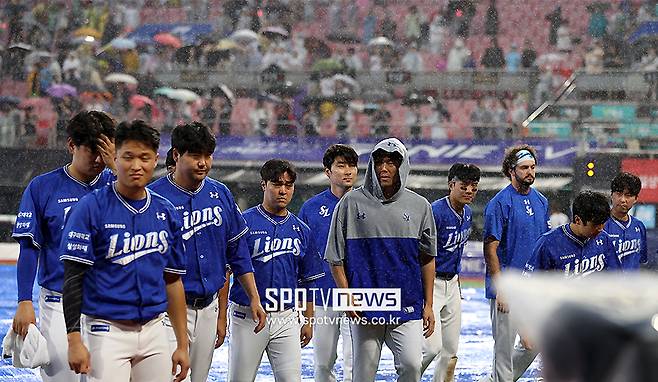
{"x":524,"y":155}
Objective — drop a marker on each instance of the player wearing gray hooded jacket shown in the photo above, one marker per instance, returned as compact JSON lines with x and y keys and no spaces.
{"x":383,"y":235}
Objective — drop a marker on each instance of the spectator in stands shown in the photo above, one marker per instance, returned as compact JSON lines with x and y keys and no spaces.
{"x":513,"y":59}
{"x":353,"y":61}
{"x":29,"y":127}
{"x":375,"y":61}
{"x":594,"y":59}
{"x":564,"y":37}
{"x":388,"y":28}
{"x":598,"y":23}
{"x":457,"y":56}
{"x":260,"y":118}
{"x":343,"y":120}
{"x":645,"y":13}
{"x":499,"y":119}
{"x":311,"y":120}
{"x":491,"y":22}
{"x":555,"y":18}
{"x":460,"y":13}
{"x":435,"y":121}
{"x":369,"y":25}
{"x":612,"y":56}
{"x":13,"y":13}
{"x":9,"y":123}
{"x":481,"y":119}
{"x":380,"y":121}
{"x":285,"y":122}
{"x":493,"y":57}
{"x":438,"y":33}
{"x":412,"y":60}
{"x":528,"y":56}
{"x":412,"y":22}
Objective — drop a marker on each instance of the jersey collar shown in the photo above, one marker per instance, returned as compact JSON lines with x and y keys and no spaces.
{"x":447,"y":198}
{"x":267,"y":216}
{"x":93,"y":181}
{"x":621,"y":223}
{"x":572,"y":236}
{"x":127,"y":205}
{"x":170,"y":178}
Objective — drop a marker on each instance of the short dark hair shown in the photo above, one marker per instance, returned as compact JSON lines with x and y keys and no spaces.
{"x":509,"y":162}
{"x":625,"y":181}
{"x":86,"y":127}
{"x":169,"y":161}
{"x":464,"y":172}
{"x":591,"y":207}
{"x":274,"y":169}
{"x":394,"y":155}
{"x":194,"y":137}
{"x":335,"y":151}
{"x":139,"y":131}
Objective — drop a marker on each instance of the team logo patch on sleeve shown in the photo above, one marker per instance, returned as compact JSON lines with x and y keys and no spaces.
{"x":100,"y":328}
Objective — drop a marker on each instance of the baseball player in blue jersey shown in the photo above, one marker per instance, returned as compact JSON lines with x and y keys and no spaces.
{"x":45,"y":203}
{"x":383,"y":235}
{"x":453,"y":219}
{"x":513,"y":221}
{"x":214,"y":236}
{"x":340,"y":166}
{"x":581,"y":247}
{"x":123,"y":259}
{"x":627,"y":232}
{"x":284,"y":257}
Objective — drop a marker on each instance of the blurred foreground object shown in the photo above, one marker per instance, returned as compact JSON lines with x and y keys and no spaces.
{"x":602,"y":328}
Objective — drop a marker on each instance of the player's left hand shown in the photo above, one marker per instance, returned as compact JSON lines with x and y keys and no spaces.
{"x":106,"y":149}
{"x":526,"y":343}
{"x":259,"y":315}
{"x":428,"y":321}
{"x":180,"y":359}
{"x":221,"y":332}
{"x":306,"y":334}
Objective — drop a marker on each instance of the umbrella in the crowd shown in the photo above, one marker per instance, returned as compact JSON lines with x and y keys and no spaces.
{"x":82,"y":40}
{"x":20,"y":46}
{"x":121,"y":77}
{"x":10,"y":100}
{"x":86,"y":31}
{"x":223,"y":91}
{"x":347,"y":80}
{"x":62,"y":90}
{"x":327,"y":65}
{"x":380,"y":41}
{"x":344,"y":37}
{"x":244,"y":36}
{"x":89,"y":96}
{"x":275,"y":32}
{"x":164,"y":91}
{"x":121,"y":43}
{"x":139,"y":101}
{"x":168,"y":39}
{"x":417,"y":99}
{"x":225,"y":44}
{"x":376,"y":95}
{"x":184,"y":95}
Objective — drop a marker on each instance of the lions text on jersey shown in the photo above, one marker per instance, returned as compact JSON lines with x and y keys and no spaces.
{"x":283,"y":254}
{"x":561,"y":250}
{"x":213,"y":230}
{"x":452,"y":232}
{"x":630,"y":239}
{"x":128,"y":249}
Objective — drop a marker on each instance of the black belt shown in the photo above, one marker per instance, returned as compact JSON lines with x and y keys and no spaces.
{"x":196,"y":302}
{"x":445,"y":275}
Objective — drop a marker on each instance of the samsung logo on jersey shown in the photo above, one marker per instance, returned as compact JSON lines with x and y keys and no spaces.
{"x":114,"y":226}
{"x":258,"y":232}
{"x":197,"y":220}
{"x":67,"y":200}
{"x":134,"y":247}
{"x":267,"y":249}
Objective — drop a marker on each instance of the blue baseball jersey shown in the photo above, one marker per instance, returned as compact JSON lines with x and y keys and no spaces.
{"x":46,"y":202}
{"x":213,"y":232}
{"x":452,"y":232}
{"x":316,"y":213}
{"x":630,"y":239}
{"x":561,"y":250}
{"x":516,"y":221}
{"x":127,"y":249}
{"x":283,"y":254}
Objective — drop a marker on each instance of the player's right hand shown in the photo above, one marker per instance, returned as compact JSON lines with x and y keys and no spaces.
{"x":501,"y":304}
{"x":23,"y":318}
{"x":180,"y":358}
{"x":259,"y":315}
{"x":79,"y":358}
